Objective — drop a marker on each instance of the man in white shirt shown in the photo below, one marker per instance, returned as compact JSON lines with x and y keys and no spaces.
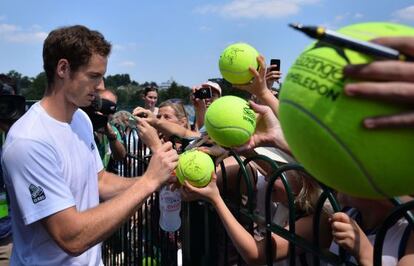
{"x":52,"y":166}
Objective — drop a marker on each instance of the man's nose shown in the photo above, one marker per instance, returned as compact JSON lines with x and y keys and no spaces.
{"x":101,"y":85}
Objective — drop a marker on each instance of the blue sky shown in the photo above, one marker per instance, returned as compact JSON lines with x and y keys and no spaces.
{"x":159,"y":40}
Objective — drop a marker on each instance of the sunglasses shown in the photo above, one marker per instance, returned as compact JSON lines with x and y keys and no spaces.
{"x":176,"y":100}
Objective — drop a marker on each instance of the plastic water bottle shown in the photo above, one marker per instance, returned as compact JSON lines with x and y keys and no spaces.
{"x":170,"y":207}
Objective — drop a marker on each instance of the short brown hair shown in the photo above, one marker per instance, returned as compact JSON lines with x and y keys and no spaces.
{"x":150,"y":88}
{"x":74,"y":43}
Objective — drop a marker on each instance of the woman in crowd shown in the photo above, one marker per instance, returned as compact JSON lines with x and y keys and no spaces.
{"x":150,"y":98}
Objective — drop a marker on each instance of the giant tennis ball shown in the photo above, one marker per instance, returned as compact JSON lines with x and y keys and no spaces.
{"x":230,"y":121}
{"x":195,"y":167}
{"x":234,"y":63}
{"x":323,"y":126}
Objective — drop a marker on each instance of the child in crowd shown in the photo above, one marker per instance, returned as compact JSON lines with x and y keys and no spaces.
{"x":251,"y":249}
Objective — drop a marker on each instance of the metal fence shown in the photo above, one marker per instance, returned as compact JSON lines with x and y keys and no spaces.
{"x":202,"y":240}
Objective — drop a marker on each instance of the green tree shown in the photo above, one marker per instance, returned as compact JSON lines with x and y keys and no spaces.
{"x":149,"y":84}
{"x":14,"y":75}
{"x":115,"y":81}
{"x":25,"y":83}
{"x":37,"y":88}
{"x":128,"y":97}
{"x":175,"y":91}
{"x":22,"y":82}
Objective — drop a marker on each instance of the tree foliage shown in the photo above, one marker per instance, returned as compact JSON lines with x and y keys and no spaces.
{"x":175,"y":91}
{"x":37,"y":87}
{"x":22,"y":82}
{"x":115,"y":81}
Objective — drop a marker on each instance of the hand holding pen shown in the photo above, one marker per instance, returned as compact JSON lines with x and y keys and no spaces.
{"x":383,"y":80}
{"x":341,"y":40}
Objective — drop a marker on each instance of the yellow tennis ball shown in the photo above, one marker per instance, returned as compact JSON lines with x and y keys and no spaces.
{"x":148,"y":261}
{"x":230,"y":121}
{"x":195,"y":167}
{"x":234,"y":63}
{"x":324,"y":129}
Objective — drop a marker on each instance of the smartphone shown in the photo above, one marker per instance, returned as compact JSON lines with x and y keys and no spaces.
{"x":275,"y":62}
{"x":203,"y":93}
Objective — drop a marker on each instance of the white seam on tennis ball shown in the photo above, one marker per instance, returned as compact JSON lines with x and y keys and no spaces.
{"x":181,"y":173}
{"x":347,"y":150}
{"x":227,"y":127}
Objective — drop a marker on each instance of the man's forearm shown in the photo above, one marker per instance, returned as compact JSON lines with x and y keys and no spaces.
{"x":111,"y":185}
{"x":75,"y":231}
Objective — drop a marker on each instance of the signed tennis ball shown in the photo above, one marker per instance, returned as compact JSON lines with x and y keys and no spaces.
{"x":230,"y":121}
{"x":234,"y":63}
{"x":324,"y":129}
{"x":195,"y":167}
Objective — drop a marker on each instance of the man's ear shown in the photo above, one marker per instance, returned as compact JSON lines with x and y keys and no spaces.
{"x":63,"y":68}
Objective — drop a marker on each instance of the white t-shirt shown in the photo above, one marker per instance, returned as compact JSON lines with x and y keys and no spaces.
{"x":49,"y":166}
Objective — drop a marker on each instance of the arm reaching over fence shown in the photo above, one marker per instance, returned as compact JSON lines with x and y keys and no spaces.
{"x":244,"y":242}
{"x":268,"y":131}
{"x":259,"y":86}
{"x":253,"y":251}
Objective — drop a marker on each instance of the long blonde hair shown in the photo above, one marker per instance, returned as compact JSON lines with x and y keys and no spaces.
{"x":178,"y":107}
{"x":309,"y":193}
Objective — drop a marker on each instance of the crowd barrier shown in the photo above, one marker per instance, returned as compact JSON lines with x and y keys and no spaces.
{"x":202,"y":240}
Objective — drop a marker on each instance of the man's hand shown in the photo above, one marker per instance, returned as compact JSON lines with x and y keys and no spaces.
{"x":145,"y":114}
{"x":163,"y":161}
{"x":148,"y":134}
{"x":388,"y":81}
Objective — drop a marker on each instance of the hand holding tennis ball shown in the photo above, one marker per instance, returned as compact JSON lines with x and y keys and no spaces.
{"x":195,"y":167}
{"x":235,"y":61}
{"x":230,"y":121}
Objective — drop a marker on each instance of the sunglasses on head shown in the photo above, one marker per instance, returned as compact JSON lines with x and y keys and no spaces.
{"x":176,"y":100}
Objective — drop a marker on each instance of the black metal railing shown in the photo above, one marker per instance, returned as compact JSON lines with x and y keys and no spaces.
{"x":202,"y":239}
